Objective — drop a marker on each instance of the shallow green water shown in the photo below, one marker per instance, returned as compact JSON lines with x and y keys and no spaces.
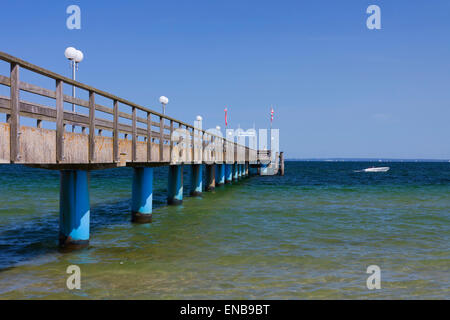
{"x":309,"y":234}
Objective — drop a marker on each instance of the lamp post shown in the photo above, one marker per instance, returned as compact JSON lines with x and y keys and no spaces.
{"x":198,"y":122}
{"x":75,"y":57}
{"x":164,"y":101}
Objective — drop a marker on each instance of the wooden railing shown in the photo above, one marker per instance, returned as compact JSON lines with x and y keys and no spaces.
{"x":156,"y":134}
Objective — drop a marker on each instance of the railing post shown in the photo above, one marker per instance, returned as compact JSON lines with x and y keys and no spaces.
{"x":224,"y":152}
{"x":161,"y":139}
{"x":149,"y":137}
{"x":183,"y":150}
{"x":14,"y":119}
{"x":91,"y":126}
{"x":59,"y":122}
{"x":192,"y":145}
{"x":170,"y":141}
{"x":116,"y":132}
{"x":213,"y":151}
{"x":134,"y":138}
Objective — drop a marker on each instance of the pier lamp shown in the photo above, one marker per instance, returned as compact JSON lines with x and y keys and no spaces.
{"x":75,"y":57}
{"x":164,"y":101}
{"x":198,"y":122}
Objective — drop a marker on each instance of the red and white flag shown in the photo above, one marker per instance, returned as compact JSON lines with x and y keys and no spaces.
{"x":271,"y":114}
{"x":226,"y":117}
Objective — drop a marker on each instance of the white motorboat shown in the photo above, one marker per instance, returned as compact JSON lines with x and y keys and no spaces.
{"x":377,"y":169}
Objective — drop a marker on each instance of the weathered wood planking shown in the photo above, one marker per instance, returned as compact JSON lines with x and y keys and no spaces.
{"x":5,"y":143}
{"x":76,"y":150}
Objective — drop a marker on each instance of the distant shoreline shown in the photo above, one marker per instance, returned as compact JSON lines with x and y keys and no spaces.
{"x":365,"y":160}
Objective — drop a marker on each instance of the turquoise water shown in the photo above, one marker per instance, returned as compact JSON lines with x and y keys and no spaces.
{"x":310,"y":234}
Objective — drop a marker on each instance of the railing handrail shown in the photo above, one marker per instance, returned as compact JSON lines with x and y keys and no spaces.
{"x":29,"y":66}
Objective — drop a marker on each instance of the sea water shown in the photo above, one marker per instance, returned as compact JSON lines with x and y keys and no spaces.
{"x":308,"y":235}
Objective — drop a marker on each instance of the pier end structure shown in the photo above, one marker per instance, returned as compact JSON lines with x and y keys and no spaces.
{"x":142,"y":195}
{"x":74,"y":209}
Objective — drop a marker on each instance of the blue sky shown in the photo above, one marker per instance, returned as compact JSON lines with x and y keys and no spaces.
{"x":338,"y":89}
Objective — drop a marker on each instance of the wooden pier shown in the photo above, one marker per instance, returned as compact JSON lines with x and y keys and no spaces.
{"x":114,"y":134}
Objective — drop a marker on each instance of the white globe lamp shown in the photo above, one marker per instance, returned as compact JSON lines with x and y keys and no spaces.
{"x":70,"y":53}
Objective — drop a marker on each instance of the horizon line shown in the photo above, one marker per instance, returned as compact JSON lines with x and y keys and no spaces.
{"x":368,"y":159}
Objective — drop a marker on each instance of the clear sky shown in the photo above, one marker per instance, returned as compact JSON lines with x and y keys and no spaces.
{"x":338,"y":88}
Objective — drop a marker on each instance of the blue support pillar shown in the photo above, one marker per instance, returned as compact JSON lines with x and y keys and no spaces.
{"x":220,"y":174}
{"x":74,"y":209}
{"x":228,"y":173}
{"x":247,"y":173}
{"x":240,"y":171}
{"x":196,"y":179}
{"x":142,"y":195}
{"x":175,"y":185}
{"x":235,"y":172}
{"x":210,"y":177}
{"x":263,"y":169}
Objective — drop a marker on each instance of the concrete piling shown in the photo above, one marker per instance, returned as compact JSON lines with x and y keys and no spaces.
{"x":228,"y":173}
{"x":175,"y":185}
{"x":281,"y":164}
{"x":210,"y":177}
{"x":196,"y":180}
{"x":142,"y":195}
{"x":235,"y":172}
{"x":263,"y":169}
{"x":74,"y":209}
{"x":220,"y":174}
